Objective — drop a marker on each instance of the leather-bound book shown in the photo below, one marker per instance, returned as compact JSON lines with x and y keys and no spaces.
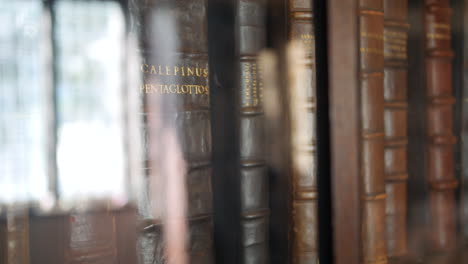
{"x":395,"y":119}
{"x":173,"y":51}
{"x":251,"y":18}
{"x":304,"y":229}
{"x":371,"y":52}
{"x":440,"y":138}
{"x":78,"y":237}
{"x":99,"y":236}
{"x":3,"y":240}
{"x":463,"y":125}
{"x":14,"y":238}
{"x":91,"y":238}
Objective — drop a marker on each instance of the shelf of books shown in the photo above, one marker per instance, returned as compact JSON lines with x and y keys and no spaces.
{"x":234,"y":131}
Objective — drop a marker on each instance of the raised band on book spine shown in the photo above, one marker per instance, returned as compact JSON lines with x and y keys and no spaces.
{"x":304,"y":230}
{"x":371,"y":31}
{"x":439,"y":126}
{"x":251,"y":15}
{"x":395,"y":119}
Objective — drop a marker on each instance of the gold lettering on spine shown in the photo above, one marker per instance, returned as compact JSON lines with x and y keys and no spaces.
{"x":164,"y":70}
{"x":260,"y":85}
{"x":171,"y":88}
{"x":372,"y":35}
{"x":395,"y":44}
{"x":189,"y":71}
{"x":247,"y":85}
{"x":438,"y":36}
{"x":252,"y":93}
{"x":174,"y":89}
{"x":307,"y":41}
{"x":371,"y":51}
{"x":254,"y":85}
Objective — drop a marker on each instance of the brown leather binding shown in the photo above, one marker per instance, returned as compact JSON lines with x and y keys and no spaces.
{"x":95,"y":236}
{"x":304,"y":199}
{"x":372,"y":131}
{"x":91,"y":238}
{"x":253,"y":177}
{"x":14,"y":238}
{"x":439,"y":126}
{"x":343,"y":61}
{"x":463,"y":122}
{"x":395,"y":118}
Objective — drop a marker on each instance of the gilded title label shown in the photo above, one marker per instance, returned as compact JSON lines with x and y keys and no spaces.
{"x":174,"y":70}
{"x":252,"y":92}
{"x":174,"y":89}
{"x":395,"y":44}
{"x":186,"y":86}
{"x":308,"y":40}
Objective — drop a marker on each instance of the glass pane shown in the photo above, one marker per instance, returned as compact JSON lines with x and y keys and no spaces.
{"x":90,"y":155}
{"x":22,"y":102}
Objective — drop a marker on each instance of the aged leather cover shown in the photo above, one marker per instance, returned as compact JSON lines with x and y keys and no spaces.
{"x":14,"y":238}
{"x":439,"y":126}
{"x":99,"y":236}
{"x":304,"y":229}
{"x":91,"y":238}
{"x":173,"y":51}
{"x":371,"y":23}
{"x":395,"y":119}
{"x":463,"y":125}
{"x":251,"y":18}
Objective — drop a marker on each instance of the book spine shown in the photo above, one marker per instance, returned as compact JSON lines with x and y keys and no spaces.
{"x":395,"y":119}
{"x":463,"y":117}
{"x":253,"y":177}
{"x":371,"y":30}
{"x":91,"y":238}
{"x":175,"y":88}
{"x":304,"y":183}
{"x":439,"y":129}
{"x":14,"y":238}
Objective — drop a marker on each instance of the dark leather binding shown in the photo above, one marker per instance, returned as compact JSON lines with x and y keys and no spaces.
{"x":174,"y":68}
{"x":395,"y":119}
{"x":371,"y":30}
{"x":463,"y":124}
{"x":304,"y":230}
{"x":251,"y":18}
{"x":439,"y":126}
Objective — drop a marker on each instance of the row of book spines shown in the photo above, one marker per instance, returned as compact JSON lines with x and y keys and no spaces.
{"x":100,"y":241}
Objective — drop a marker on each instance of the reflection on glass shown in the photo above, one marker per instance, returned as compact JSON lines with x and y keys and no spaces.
{"x":89,"y":39}
{"x":22,"y":103}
